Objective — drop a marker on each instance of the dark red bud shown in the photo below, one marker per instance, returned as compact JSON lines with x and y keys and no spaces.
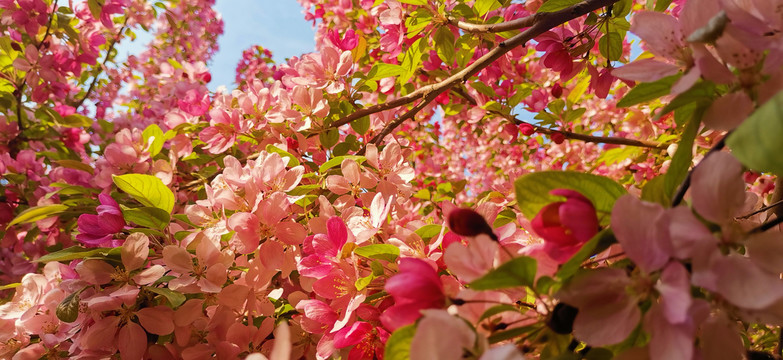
{"x":527,"y":129}
{"x":466,"y":222}
{"x":292,"y":143}
{"x":557,"y":91}
{"x":206,"y":77}
{"x":16,"y":46}
{"x":557,"y":137}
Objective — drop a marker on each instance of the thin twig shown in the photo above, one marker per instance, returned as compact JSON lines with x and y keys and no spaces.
{"x":763,"y":209}
{"x":543,"y":23}
{"x":106,"y":59}
{"x":568,"y":134}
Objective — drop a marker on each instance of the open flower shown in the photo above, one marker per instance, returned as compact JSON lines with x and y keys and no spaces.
{"x":566,"y":225}
{"x":98,"y":230}
{"x":416,"y":287}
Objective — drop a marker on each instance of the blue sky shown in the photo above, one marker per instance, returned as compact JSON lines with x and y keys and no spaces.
{"x":277,"y":25}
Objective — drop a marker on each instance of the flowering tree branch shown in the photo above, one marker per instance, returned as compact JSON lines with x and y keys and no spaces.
{"x":515,"y":24}
{"x":543,"y":23}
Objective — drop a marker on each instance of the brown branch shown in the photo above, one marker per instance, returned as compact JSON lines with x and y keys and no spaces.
{"x":568,"y":134}
{"x":515,"y":24}
{"x":543,"y":22}
{"x":19,"y":90}
{"x":106,"y":59}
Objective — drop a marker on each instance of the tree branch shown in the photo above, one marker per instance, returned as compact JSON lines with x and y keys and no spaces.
{"x":515,"y":24}
{"x":569,"y":134}
{"x":106,"y":59}
{"x":543,"y":23}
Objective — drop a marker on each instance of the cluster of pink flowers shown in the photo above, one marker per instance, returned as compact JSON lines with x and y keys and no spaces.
{"x":144,"y":216}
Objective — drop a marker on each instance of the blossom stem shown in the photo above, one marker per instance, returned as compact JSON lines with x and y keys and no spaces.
{"x":543,"y":23}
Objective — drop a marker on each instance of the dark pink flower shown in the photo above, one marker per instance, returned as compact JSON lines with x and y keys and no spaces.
{"x":346,"y":43}
{"x":98,"y":230}
{"x":415,"y":287}
{"x":566,"y":225}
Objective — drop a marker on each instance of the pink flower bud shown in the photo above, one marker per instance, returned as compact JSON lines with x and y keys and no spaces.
{"x":557,"y":137}
{"x":527,"y":129}
{"x":565,"y":226}
{"x":557,"y":91}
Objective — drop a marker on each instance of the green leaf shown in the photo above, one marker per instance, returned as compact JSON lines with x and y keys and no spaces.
{"x":292,"y":160}
{"x":414,"y":2}
{"x":511,"y":333}
{"x":147,"y":216}
{"x":557,"y":5}
{"x":661,"y":5}
{"x":699,"y":94}
{"x":68,"y":309}
{"x":336,"y":161}
{"x":75,"y":121}
{"x":362,"y":282}
{"x":757,"y":141}
{"x":611,"y":46}
{"x":77,"y":252}
{"x":518,"y":272}
{"x":533,"y":189}
{"x":383,"y":70}
{"x":444,"y":44}
{"x":654,"y":191}
{"x":361,"y":125}
{"x":648,"y":91}
{"x":175,"y":299}
{"x":497,"y":309}
{"x":329,"y":138}
{"x":36,"y":213}
{"x":153,"y":136}
{"x":95,"y":8}
{"x":73,"y":164}
{"x":484,"y":6}
{"x":412,"y":60}
{"x":598,"y":243}
{"x":682,"y":159}
{"x":417,"y":21}
{"x":427,"y":232}
{"x":398,"y":347}
{"x":146,"y":189}
{"x":386,"y":252}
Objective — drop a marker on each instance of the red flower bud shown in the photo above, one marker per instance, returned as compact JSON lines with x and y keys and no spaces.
{"x":557,"y":91}
{"x":557,"y":137}
{"x":526,"y":129}
{"x":566,"y":225}
{"x":466,"y":222}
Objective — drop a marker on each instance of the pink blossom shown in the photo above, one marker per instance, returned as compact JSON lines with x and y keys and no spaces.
{"x":98,"y":230}
{"x":348,"y":41}
{"x":565,"y":226}
{"x":414,"y":288}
